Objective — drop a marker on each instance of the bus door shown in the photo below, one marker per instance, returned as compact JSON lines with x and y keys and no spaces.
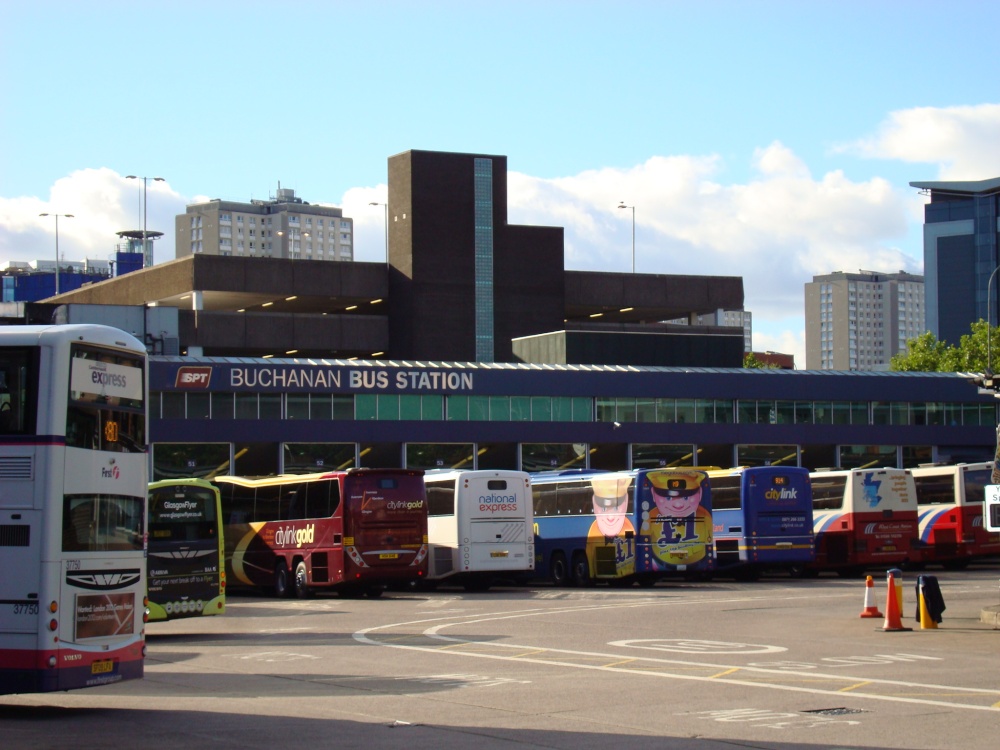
{"x":940,"y":517}
{"x":832,"y":529}
{"x":728,"y":521}
{"x":385,"y":524}
{"x":496,"y":523}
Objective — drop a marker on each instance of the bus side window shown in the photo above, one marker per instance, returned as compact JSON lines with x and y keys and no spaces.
{"x":78,"y":526}
{"x":544,"y":498}
{"x":828,"y":494}
{"x":441,"y":499}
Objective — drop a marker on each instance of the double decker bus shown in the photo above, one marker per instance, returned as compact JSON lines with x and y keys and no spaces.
{"x":73,"y":477}
{"x":950,"y":502}
{"x":622,"y":527}
{"x":763,"y":519}
{"x":479,"y":527}
{"x":354,"y":531}
{"x":185,"y":568}
{"x":863,"y":518}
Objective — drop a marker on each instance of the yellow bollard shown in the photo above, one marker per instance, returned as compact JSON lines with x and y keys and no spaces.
{"x":926,"y":621}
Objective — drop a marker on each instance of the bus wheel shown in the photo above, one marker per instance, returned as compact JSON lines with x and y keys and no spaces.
{"x":559,"y":570}
{"x":374,"y":592}
{"x":302,"y":590}
{"x":802,"y":571}
{"x":581,"y":571}
{"x":747,"y":574}
{"x":281,"y":580}
{"x":855,"y":571}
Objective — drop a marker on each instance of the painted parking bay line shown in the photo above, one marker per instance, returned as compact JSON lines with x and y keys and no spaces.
{"x":432,"y":639}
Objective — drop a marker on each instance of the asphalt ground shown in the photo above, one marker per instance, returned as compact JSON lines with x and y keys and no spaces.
{"x":778,"y":663}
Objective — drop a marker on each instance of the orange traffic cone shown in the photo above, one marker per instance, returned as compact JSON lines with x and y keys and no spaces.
{"x":893,"y":621}
{"x":870,"y":609}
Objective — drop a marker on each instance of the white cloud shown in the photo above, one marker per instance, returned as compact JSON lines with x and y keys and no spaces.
{"x":369,"y":221}
{"x":776,"y":231}
{"x":961,"y":141}
{"x":102,"y":203}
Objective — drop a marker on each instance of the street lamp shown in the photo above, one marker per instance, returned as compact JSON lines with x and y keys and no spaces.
{"x":386,"y":224}
{"x":621,"y":204}
{"x":65,"y":216}
{"x":989,"y":311}
{"x":147,"y":253}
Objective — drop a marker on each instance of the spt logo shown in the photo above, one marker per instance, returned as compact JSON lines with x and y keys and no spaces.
{"x":193,"y":377}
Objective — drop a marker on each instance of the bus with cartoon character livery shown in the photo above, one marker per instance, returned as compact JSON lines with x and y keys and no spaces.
{"x":621,"y":527}
{"x":863,"y":518}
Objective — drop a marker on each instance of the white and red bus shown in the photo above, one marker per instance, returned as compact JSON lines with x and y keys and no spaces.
{"x":950,"y":501}
{"x":73,"y":479}
{"x":864,"y":518}
{"x":480,"y":527}
{"x":354,"y":531}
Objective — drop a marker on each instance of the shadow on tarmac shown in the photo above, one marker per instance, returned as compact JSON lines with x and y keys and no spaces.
{"x":56,"y":728}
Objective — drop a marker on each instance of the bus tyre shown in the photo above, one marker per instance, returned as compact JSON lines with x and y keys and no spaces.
{"x":281,"y":587}
{"x":581,"y":571}
{"x":302,"y":590}
{"x":559,"y":570}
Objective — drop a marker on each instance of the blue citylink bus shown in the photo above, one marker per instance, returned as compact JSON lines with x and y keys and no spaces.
{"x":763,"y":518}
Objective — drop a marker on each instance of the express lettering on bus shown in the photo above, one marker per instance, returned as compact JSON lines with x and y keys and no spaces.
{"x":109,"y":378}
{"x":498,"y":503}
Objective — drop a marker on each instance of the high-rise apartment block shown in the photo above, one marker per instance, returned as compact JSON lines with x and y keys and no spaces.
{"x":858,"y":321}
{"x":284,"y":227}
{"x":961,"y":254}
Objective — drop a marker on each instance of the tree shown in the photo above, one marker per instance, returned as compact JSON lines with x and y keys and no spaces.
{"x":977,"y":351}
{"x":753,"y":362}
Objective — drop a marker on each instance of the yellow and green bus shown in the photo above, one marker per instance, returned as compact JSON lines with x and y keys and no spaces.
{"x":186,"y":566}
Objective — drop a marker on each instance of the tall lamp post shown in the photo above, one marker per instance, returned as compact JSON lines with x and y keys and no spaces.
{"x":989,"y":316}
{"x":65,"y":216}
{"x":386,"y":224}
{"x":147,"y":253}
{"x":622,"y":205}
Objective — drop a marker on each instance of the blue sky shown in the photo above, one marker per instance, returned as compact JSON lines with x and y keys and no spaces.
{"x":772,"y":139}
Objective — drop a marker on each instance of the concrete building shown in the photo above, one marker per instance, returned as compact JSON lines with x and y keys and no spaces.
{"x":858,"y":321}
{"x":461,"y":285}
{"x":960,"y":255}
{"x":283,"y":227}
{"x":475,"y":348}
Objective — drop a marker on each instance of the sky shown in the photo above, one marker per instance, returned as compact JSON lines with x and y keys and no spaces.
{"x":773,"y":140}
